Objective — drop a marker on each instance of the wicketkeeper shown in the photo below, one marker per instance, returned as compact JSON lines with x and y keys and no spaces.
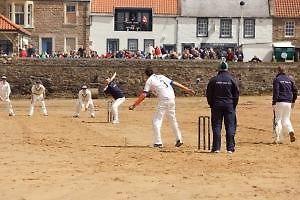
{"x":85,"y":102}
{"x":38,"y":94}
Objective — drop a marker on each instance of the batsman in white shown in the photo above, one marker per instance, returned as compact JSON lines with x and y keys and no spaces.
{"x":119,"y":98}
{"x":285,"y":94}
{"x":85,"y":102}
{"x":4,"y":95}
{"x":163,"y":88}
{"x":38,"y":94}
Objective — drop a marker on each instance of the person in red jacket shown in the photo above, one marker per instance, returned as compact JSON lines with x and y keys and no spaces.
{"x":23,"y":53}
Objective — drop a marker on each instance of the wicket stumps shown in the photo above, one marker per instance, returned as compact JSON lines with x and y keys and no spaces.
{"x":109,"y":114}
{"x":204,"y":128}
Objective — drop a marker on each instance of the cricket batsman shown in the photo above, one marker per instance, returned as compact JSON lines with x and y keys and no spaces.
{"x":163,"y":88}
{"x":38,"y":94}
{"x":85,"y":102}
{"x":4,"y":95}
{"x":284,"y":97}
{"x":118,"y":95}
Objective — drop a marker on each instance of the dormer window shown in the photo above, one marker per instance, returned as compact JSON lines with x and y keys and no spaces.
{"x":133,"y":19}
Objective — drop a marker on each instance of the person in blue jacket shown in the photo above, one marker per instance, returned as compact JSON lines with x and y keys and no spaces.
{"x":222,"y":96}
{"x":118,"y":95}
{"x":284,"y":97}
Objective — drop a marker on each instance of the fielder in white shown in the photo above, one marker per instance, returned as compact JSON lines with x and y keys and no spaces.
{"x":85,"y":102}
{"x":284,"y":97}
{"x":38,"y":94}
{"x":162,"y":87}
{"x":4,"y":95}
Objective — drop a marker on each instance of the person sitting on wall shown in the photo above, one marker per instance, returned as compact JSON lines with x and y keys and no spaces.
{"x":240,"y":56}
{"x":23,"y":53}
{"x":230,"y":55}
{"x":255,"y":59}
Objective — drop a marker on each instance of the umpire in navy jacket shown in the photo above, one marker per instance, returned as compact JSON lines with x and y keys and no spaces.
{"x":222,"y":96}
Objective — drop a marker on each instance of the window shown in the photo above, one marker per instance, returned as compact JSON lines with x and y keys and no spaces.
{"x":202,"y":27}
{"x":187,"y":46}
{"x":169,"y":47}
{"x":289,"y":29}
{"x":70,"y":14}
{"x":112,"y":45}
{"x":249,"y":28}
{"x":147,"y":43}
{"x":19,"y":14}
{"x":133,"y":45}
{"x":10,"y":11}
{"x":71,"y":8}
{"x":127,"y":19}
{"x":29,"y":14}
{"x":225,"y":28}
{"x":70,"y":44}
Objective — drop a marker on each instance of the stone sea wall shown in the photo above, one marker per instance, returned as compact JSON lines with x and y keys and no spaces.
{"x":64,"y":77}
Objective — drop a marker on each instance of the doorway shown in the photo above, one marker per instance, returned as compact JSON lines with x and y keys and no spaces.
{"x":47,"y":45}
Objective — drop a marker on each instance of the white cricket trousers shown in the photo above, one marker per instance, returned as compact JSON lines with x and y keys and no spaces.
{"x":165,"y":107}
{"x":115,"y":107}
{"x":9,"y":106}
{"x":36,"y":98}
{"x":282,"y":119}
{"x":89,"y":105}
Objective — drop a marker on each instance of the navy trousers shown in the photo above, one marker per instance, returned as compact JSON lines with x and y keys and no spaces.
{"x":227,"y":113}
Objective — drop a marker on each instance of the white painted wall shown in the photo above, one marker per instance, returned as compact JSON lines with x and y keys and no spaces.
{"x":187,"y":27}
{"x":163,"y":32}
{"x":262,"y":51}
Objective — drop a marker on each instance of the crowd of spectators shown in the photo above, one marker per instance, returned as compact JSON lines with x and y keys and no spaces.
{"x":188,"y":53}
{"x":233,"y":55}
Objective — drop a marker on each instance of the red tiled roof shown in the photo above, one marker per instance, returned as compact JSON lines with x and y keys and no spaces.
{"x":286,"y":8}
{"x":7,"y":25}
{"x":160,"y":7}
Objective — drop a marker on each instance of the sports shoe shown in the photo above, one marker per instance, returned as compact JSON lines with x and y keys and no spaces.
{"x":178,"y":143}
{"x":92,"y":116}
{"x":230,"y":152}
{"x":277,"y":142}
{"x":157,"y":145}
{"x":11,"y":114}
{"x":215,"y":151}
{"x":45,"y":115}
{"x":75,"y":116}
{"x":292,"y":136}
{"x":115,"y":122}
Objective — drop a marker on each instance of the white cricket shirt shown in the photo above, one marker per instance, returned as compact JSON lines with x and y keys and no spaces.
{"x":38,"y":90}
{"x":161,"y":86}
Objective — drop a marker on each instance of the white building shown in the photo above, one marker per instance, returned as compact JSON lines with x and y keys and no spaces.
{"x":117,"y":25}
{"x":227,"y":24}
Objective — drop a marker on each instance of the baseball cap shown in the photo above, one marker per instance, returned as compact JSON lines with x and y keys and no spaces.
{"x":84,"y":87}
{"x":3,"y":77}
{"x":223,"y":66}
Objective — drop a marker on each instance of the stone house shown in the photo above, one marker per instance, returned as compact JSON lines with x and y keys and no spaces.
{"x":11,"y":36}
{"x":55,"y":25}
{"x":227,"y":24}
{"x":286,"y":22}
{"x":133,"y":25}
